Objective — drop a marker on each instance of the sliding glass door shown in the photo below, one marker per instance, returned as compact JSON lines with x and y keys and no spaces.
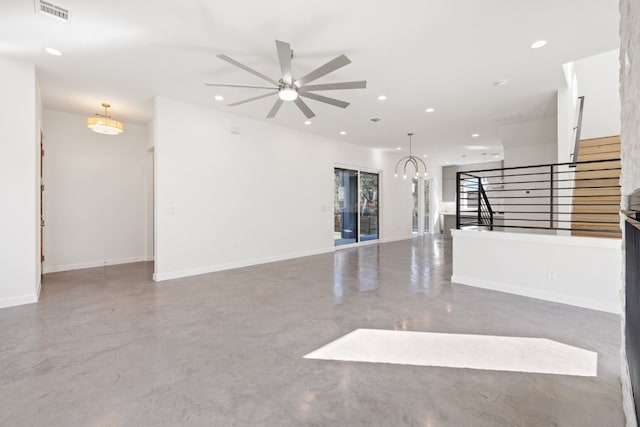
{"x":356,"y":206}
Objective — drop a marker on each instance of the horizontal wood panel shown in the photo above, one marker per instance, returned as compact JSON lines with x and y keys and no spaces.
{"x":601,"y":208}
{"x":615,"y":139}
{"x":596,"y":234}
{"x":609,"y":148}
{"x":597,"y":175}
{"x":606,"y":217}
{"x":597,"y":192}
{"x":587,"y":157}
{"x":613,"y":164}
{"x":598,"y":182}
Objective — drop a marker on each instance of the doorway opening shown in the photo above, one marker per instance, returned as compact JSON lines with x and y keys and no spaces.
{"x":420,"y":211}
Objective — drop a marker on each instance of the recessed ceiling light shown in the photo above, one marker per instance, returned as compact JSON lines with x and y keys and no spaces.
{"x":382,"y":98}
{"x":496,"y":156}
{"x":424,"y":155}
{"x":538,"y":44}
{"x":398,"y":148}
{"x":308,"y":122}
{"x":343,"y":132}
{"x":219,"y":98}
{"x":475,"y":135}
{"x":475,"y":147}
{"x":430,"y":110}
{"x":52,"y":51}
{"x":447,"y":162}
{"x":502,"y":82}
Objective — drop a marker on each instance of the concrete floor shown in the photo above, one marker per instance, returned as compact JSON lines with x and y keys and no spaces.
{"x":109,"y":347}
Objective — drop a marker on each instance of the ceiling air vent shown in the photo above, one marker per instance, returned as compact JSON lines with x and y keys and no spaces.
{"x":375,"y":119}
{"x":52,"y":10}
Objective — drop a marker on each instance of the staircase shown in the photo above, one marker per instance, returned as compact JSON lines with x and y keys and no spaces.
{"x":593,"y":206}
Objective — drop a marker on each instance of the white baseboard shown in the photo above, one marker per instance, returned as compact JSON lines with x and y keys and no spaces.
{"x":612,"y":307}
{"x":13,"y":301}
{"x":158,"y":277}
{"x":93,"y":264}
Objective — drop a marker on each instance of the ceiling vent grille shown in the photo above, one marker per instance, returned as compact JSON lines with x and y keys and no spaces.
{"x":52,"y":10}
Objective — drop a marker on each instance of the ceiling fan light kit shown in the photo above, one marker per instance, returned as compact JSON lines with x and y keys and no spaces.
{"x":290,"y":89}
{"x":104,"y":124}
{"x":288,"y":93}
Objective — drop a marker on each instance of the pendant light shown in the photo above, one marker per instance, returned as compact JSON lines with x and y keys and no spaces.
{"x":416,"y":162}
{"x":104,"y":124}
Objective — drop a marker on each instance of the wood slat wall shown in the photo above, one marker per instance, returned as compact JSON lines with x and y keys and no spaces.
{"x":605,"y":200}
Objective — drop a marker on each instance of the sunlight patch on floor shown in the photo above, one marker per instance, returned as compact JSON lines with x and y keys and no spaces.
{"x":496,"y":353}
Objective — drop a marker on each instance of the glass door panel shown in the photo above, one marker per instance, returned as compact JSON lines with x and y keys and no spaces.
{"x":414,"y":212}
{"x":345,"y":206}
{"x":426,"y":205}
{"x":368,"y":206}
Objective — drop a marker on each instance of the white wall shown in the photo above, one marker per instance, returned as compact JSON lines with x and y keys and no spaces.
{"x":95,"y":199}
{"x":19,"y":182}
{"x":598,"y":82}
{"x":529,"y":143}
{"x":581,"y":271}
{"x":225,"y":200}
{"x":526,"y":144}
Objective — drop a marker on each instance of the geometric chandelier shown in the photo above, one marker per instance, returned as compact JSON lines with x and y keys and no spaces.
{"x":414,"y":161}
{"x":104,"y":124}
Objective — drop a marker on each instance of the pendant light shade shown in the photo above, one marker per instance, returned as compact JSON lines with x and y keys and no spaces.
{"x":104,"y":124}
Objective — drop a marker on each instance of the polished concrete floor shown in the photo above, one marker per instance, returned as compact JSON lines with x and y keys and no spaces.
{"x":109,"y":347}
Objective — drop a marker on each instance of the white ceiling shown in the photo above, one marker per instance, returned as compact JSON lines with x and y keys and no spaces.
{"x":419,"y":53}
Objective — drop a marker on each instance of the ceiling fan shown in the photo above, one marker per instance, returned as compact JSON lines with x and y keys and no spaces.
{"x":290,"y":89}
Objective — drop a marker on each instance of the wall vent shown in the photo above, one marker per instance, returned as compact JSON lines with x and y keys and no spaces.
{"x":52,"y":10}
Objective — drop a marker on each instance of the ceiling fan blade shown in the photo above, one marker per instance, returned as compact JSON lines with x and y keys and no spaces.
{"x":304,"y":108}
{"x":361,"y":84}
{"x":284,"y":56}
{"x":325,"y":99}
{"x":247,"y":69}
{"x":240,"y":85}
{"x":334,"y":64}
{"x":275,"y":109}
{"x":252,"y":99}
